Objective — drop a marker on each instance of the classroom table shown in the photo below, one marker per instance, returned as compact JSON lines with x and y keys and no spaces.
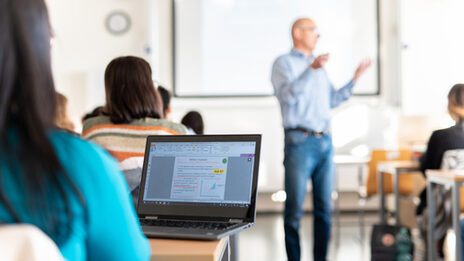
{"x":455,"y":179}
{"x":189,"y":250}
{"x":395,"y":168}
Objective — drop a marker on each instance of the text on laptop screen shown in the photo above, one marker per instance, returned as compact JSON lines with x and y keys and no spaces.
{"x":200,"y":172}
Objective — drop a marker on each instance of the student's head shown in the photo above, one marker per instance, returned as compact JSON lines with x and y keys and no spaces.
{"x":27,"y":110}
{"x":456,"y":102}
{"x":166,"y":97}
{"x":194,"y":121}
{"x":305,"y":34}
{"x":96,"y":112}
{"x":130,"y":92}
{"x":62,"y":119}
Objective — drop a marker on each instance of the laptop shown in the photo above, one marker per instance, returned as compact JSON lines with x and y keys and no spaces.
{"x":200,"y":187}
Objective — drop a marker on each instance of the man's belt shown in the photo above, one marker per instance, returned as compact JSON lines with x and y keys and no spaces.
{"x":308,"y":131}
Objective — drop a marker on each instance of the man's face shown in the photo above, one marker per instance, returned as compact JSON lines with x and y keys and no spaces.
{"x":307,"y":34}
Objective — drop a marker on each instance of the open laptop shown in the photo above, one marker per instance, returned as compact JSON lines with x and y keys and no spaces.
{"x":199,"y":186}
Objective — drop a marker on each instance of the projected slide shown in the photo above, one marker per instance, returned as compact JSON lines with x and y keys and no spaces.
{"x":227,"y":47}
{"x":199,"y":178}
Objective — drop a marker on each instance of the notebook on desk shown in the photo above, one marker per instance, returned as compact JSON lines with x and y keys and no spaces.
{"x":199,"y":186}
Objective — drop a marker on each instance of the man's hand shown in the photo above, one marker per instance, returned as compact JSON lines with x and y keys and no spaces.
{"x":320,"y":61}
{"x":362,"y":68}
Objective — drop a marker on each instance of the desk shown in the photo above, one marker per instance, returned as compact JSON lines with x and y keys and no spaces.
{"x":346,"y":160}
{"x":443,"y":177}
{"x":189,"y":250}
{"x":395,"y":168}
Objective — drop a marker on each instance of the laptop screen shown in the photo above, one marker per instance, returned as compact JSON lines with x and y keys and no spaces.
{"x":200,"y":176}
{"x":200,"y":172}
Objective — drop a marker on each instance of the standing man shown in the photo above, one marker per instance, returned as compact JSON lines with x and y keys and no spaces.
{"x":306,"y":96}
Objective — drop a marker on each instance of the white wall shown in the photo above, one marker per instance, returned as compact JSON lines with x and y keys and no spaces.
{"x":83,"y":48}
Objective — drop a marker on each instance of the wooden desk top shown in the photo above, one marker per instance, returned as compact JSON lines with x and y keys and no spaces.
{"x":183,"y":250}
{"x":399,"y":164}
{"x":455,"y":175}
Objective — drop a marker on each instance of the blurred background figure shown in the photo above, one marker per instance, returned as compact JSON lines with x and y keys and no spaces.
{"x":194,"y":122}
{"x":166,"y":97}
{"x":62,"y":119}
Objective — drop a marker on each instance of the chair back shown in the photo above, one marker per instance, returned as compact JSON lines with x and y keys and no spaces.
{"x":386,"y":155}
{"x":454,"y":159}
{"x":24,"y":242}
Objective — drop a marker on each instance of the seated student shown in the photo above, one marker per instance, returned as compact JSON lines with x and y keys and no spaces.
{"x":133,"y":110}
{"x":62,"y":119}
{"x":194,"y":122}
{"x":69,"y":188}
{"x":96,"y":112}
{"x":166,"y":97}
{"x":441,"y":141}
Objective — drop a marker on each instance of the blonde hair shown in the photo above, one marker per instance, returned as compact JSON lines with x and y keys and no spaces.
{"x":456,"y":102}
{"x":61,"y":116}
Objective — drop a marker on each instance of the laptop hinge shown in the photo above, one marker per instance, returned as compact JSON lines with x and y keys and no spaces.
{"x":234,"y":220}
{"x":151,"y":217}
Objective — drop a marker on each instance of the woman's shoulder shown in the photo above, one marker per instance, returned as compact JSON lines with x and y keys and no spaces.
{"x":454,"y":130}
{"x":93,"y":122}
{"x":96,"y":123}
{"x":177,"y":128}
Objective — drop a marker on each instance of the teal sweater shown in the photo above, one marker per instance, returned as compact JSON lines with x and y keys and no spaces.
{"x":108,"y":228}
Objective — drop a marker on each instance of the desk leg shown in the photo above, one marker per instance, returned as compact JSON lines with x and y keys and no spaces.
{"x":431,"y":243}
{"x":226,"y":253}
{"x":233,"y":247}
{"x":456,"y":222}
{"x":382,"y":196}
{"x":396,"y":179}
{"x":361,"y":214}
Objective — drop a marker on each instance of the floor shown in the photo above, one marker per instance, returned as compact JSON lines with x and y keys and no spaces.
{"x":265,"y":241}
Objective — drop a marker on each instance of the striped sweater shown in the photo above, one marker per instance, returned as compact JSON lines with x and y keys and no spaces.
{"x":125,"y":141}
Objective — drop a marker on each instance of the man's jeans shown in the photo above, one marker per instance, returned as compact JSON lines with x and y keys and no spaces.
{"x":307,"y":157}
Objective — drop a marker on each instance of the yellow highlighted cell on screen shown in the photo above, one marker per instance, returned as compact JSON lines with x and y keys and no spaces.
{"x":219,"y":171}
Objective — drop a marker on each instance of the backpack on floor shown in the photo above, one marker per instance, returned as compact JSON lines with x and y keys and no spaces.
{"x":383,"y":242}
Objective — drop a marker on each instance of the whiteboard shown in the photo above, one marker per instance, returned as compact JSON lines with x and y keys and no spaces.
{"x":227,"y":47}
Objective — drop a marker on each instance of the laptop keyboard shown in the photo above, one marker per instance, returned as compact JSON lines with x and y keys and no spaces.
{"x":187,"y":224}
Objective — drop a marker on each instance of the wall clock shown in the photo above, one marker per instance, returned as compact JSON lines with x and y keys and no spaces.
{"x":118,"y":22}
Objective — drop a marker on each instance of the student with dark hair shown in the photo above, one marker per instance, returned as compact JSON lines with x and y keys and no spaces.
{"x":194,"y":122}
{"x":440,"y":142}
{"x":133,"y":110}
{"x":166,"y":97}
{"x":69,"y":188}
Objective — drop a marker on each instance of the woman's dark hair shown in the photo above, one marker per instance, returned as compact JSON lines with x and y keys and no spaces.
{"x":27,"y":110}
{"x":194,"y":121}
{"x":166,"y":97}
{"x":456,"y":102}
{"x":130,"y":92}
{"x":96,"y":112}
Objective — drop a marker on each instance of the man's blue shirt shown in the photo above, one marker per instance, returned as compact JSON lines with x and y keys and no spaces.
{"x":306,"y":95}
